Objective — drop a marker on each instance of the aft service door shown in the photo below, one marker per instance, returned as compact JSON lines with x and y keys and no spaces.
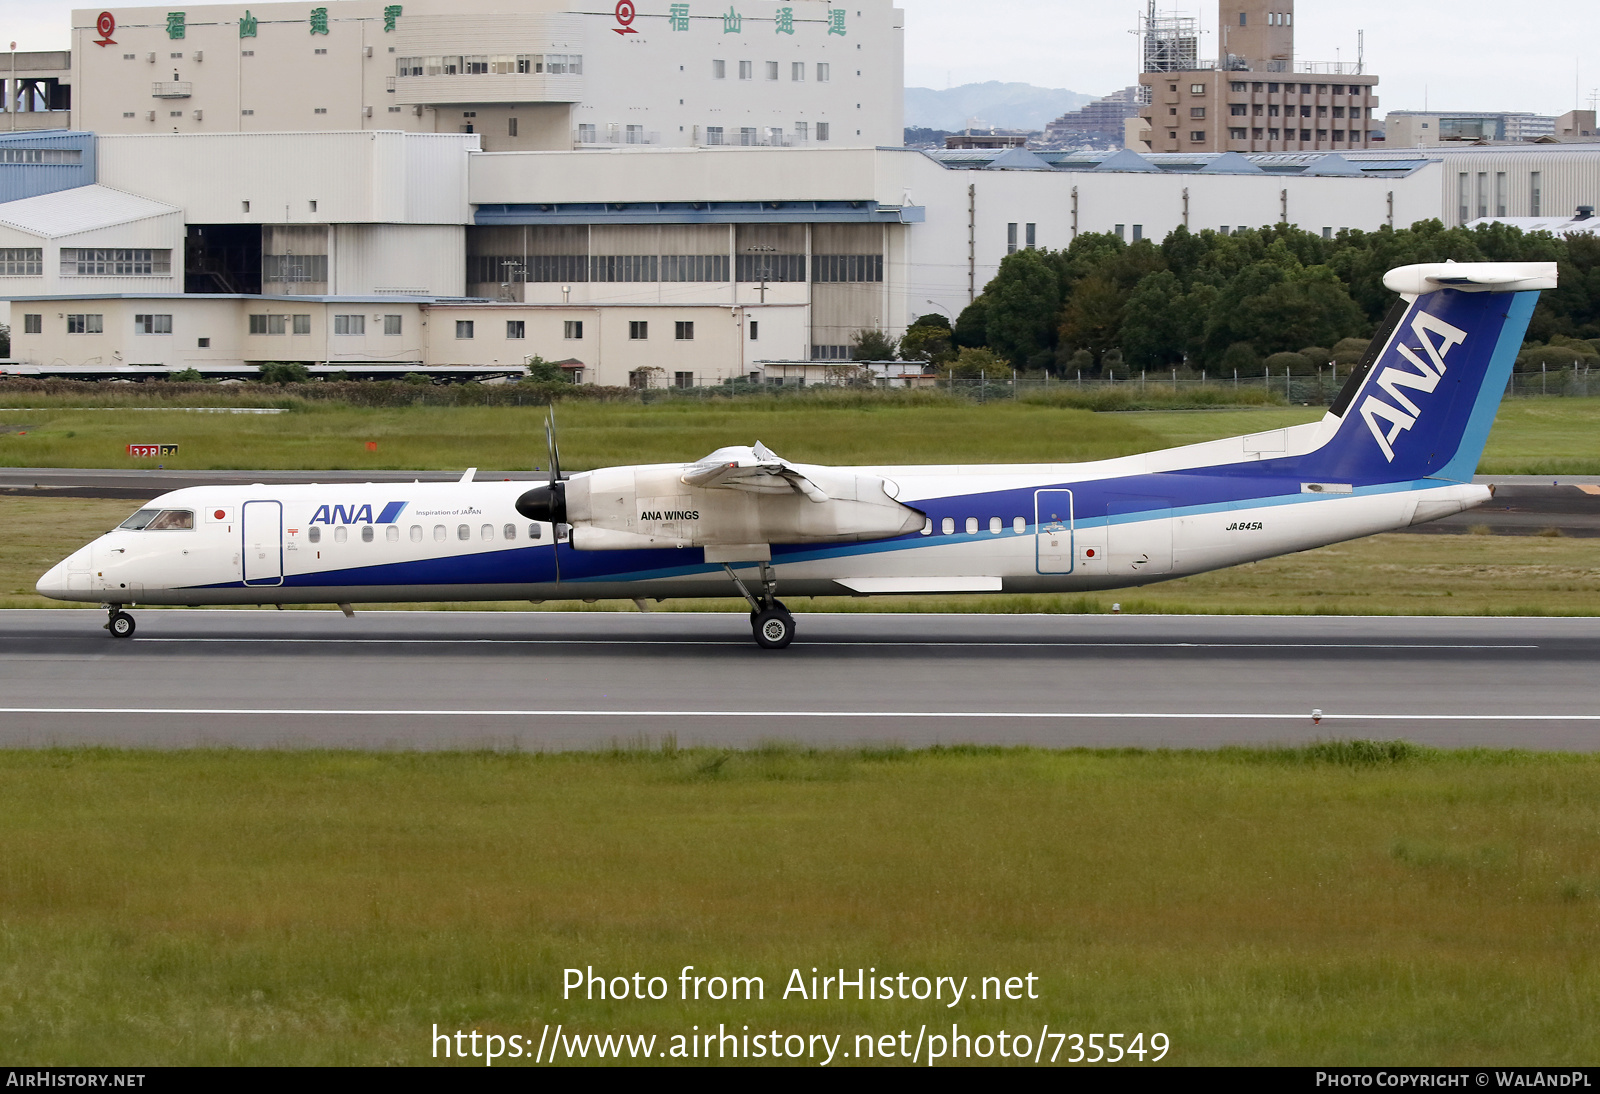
{"x":261,"y":526}
{"x":1052,"y":521}
{"x":1138,"y":536}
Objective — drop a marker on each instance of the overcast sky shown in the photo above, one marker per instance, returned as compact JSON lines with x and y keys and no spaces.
{"x":1467,"y":55}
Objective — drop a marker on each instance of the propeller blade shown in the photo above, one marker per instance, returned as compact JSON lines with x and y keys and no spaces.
{"x":547,"y":503}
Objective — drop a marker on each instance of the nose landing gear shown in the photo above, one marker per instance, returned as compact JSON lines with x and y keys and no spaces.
{"x":770,"y":621}
{"x":120,"y":623}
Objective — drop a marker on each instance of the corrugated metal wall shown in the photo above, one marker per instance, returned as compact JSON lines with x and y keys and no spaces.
{"x":25,"y":180}
{"x":398,"y":258}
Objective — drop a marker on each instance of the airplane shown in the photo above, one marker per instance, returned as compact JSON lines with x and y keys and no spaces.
{"x":1398,"y":446}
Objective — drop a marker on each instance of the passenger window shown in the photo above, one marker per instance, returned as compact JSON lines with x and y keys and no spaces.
{"x":487,"y":532}
{"x":994,"y":526}
{"x":140,"y":519}
{"x":1019,"y":525}
{"x":314,"y":533}
{"x":927,"y":527}
{"x":947,"y":526}
{"x":392,"y":533}
{"x":171,"y":520}
{"x":972,"y":526}
{"x":366,"y":533}
{"x":340,"y":533}
{"x":510,"y":531}
{"x":534,"y":532}
{"x":463,"y":531}
{"x":416,"y":533}
{"x":438,"y":533}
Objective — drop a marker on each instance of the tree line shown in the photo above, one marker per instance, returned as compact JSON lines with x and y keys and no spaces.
{"x":1274,"y":298}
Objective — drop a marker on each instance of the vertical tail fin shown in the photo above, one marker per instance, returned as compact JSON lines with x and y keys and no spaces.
{"x":1421,"y":402}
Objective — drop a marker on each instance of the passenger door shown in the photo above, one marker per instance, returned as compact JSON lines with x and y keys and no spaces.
{"x":1052,"y":538}
{"x":261,"y":527}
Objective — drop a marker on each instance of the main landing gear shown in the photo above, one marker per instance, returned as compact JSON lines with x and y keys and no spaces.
{"x":120,"y":624}
{"x":770,"y":621}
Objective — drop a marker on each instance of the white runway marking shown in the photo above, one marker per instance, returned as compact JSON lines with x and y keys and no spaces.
{"x":954,"y":643}
{"x":330,"y":712}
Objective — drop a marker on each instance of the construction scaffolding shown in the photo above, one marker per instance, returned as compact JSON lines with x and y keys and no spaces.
{"x":1169,"y":43}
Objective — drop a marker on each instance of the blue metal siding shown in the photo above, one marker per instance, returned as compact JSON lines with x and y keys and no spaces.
{"x":26,"y":180}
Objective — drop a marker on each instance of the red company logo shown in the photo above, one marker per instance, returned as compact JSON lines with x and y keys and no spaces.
{"x":625,"y":17}
{"x":106,"y":26}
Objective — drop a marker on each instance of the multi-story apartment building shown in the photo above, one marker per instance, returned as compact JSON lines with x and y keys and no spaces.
{"x":1256,"y":97}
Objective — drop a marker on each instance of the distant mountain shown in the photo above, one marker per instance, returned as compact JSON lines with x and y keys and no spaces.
{"x":1004,"y":106}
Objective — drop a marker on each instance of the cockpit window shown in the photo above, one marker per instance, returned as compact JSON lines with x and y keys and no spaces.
{"x":171,"y":520}
{"x":160,"y":520}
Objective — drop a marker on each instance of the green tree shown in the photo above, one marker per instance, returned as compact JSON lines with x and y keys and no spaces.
{"x":541,"y":371}
{"x":868,"y":344}
{"x":972,"y":325}
{"x":1156,"y":322}
{"x":973,"y":363}
{"x":928,"y":342}
{"x":1092,"y":319}
{"x":1024,"y":300}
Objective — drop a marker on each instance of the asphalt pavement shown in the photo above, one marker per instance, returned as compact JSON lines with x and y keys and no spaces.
{"x":558,"y":680}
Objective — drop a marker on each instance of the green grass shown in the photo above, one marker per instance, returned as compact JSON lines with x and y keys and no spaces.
{"x":1381,"y":575}
{"x":1533,"y":436}
{"x":1343,"y":905}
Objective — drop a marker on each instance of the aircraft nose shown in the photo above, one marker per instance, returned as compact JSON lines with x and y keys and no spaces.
{"x":68,"y":577}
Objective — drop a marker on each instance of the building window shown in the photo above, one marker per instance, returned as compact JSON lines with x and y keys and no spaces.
{"x":152,"y":324}
{"x":683,"y":379}
{"x":572,"y":329}
{"x":847,"y":268}
{"x":1238,"y":110}
{"x":1463,"y":197}
{"x":1499,"y":193}
{"x":1138,"y":232}
{"x":1197,"y":89}
{"x":822,"y":131}
{"x":822,"y":72}
{"x":1236,"y":134}
{"x":755,"y":329}
{"x":1272,"y":134}
{"x":1327,"y":233}
{"x":301,"y":324}
{"x":634,"y":134}
{"x":294,"y":268}
{"x":1197,"y":112}
{"x":85,"y":324}
{"x":802,"y":131}
{"x":719,"y":70}
{"x":747,"y":136}
{"x":747,"y":70}
{"x":110,"y":262}
{"x":638,"y":329}
{"x":1011,"y":239}
{"x":772,"y":70}
{"x":33,"y":324}
{"x":1483,"y":193}
{"x":714,"y":134}
{"x":1119,"y":230}
{"x":1237,"y":87}
{"x":1305,"y":134}
{"x":203,"y":343}
{"x":683,"y":331}
{"x":1197,"y":135}
{"x":1535,"y":183}
{"x":463,"y":328}
{"x":511,"y":127}
{"x":349,"y":324}
{"x":516,"y":328}
{"x":797,"y":71}
{"x":1031,"y":235}
{"x":1272,"y":89}
{"x":21,"y":261}
{"x":269,"y":324}
{"x":586,"y":133}
{"x":391,"y":324}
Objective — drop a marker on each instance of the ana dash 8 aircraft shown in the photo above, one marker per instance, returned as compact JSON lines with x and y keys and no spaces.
{"x":1398,"y":447}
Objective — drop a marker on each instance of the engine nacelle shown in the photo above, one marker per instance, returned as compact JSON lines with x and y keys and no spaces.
{"x":630,"y":508}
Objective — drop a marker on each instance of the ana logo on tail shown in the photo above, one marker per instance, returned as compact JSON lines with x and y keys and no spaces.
{"x":1425,"y":379}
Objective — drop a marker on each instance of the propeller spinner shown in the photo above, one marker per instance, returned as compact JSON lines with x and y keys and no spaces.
{"x":547,"y":503}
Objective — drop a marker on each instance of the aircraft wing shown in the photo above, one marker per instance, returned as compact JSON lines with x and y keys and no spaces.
{"x":754,"y":469}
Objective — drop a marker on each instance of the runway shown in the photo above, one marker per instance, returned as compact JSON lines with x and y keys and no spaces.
{"x":549,"y":680}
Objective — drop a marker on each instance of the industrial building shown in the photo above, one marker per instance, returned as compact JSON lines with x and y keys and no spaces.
{"x":374,"y":249}
{"x":1254,"y":96}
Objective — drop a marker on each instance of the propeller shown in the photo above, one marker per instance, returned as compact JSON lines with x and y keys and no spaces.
{"x":547,"y":503}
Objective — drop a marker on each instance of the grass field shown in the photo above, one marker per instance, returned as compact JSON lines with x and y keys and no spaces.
{"x":1383,"y":575}
{"x":1532,"y":436}
{"x":1379,"y":905}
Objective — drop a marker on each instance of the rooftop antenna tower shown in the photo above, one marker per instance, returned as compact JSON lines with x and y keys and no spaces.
{"x":1361,"y":52}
